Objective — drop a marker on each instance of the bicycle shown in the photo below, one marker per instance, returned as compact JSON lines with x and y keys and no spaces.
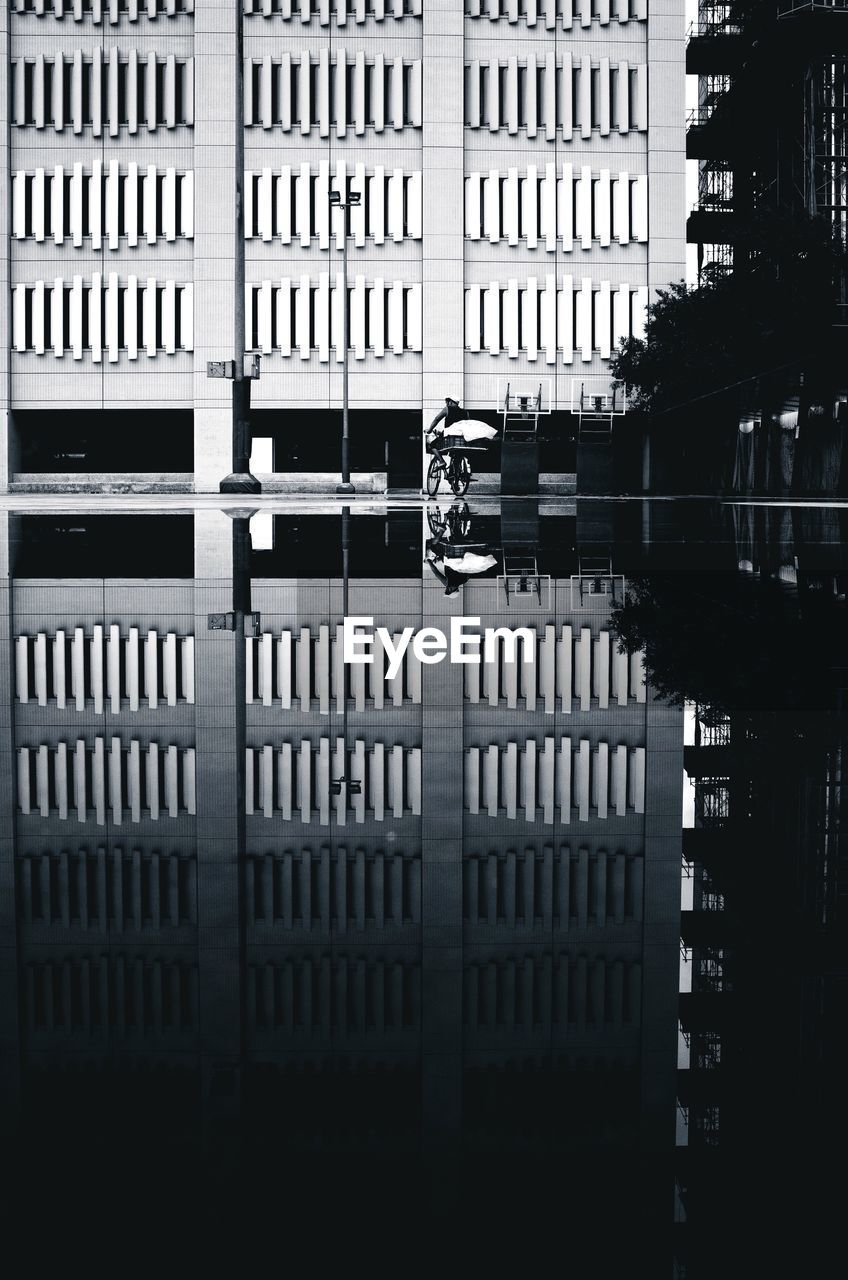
{"x":456,"y":469}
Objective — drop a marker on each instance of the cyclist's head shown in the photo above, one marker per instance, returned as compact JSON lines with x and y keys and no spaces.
{"x":449,"y":400}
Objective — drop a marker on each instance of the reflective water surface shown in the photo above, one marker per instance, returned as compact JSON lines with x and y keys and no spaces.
{"x":517,"y":964}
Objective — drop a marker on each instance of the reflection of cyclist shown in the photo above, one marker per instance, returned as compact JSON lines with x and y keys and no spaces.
{"x":452,"y":558}
{"x":452,"y":413}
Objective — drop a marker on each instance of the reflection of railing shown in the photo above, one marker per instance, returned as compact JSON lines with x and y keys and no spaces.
{"x":804,"y":6}
{"x":712,"y":802}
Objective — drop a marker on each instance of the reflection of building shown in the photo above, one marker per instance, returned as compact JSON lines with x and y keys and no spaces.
{"x":521,"y":173}
{"x":764,"y":861}
{"x":475,"y":950}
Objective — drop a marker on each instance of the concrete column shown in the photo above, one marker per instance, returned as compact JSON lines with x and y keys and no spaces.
{"x":666,"y":145}
{"x":220,"y":829}
{"x":214,"y":236}
{"x":9,"y":1034}
{"x":5,"y":257}
{"x":441,"y":898}
{"x":443,"y":178}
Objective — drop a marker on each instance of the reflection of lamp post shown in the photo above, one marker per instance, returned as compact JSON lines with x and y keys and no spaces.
{"x":353,"y":199}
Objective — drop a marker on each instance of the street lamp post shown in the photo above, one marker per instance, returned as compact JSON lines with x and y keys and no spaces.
{"x":353,"y":199}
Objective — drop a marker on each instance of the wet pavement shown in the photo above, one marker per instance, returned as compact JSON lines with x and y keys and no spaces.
{"x":335,"y":964}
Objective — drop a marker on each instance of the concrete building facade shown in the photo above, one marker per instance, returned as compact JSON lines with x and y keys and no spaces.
{"x":521,"y":172}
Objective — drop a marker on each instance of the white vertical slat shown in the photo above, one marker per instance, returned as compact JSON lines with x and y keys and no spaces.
{"x":510,"y":104}
{"x":531,"y":100}
{"x":169,"y":669}
{"x":59,"y":673}
{"x":581,"y":764}
{"x":638,"y":311}
{"x":169,"y":204}
{"x":377,"y":317}
{"x":19,"y":316}
{"x":95,"y":204}
{"x":113,"y":668}
{"x":357,"y":318}
{"x":302,"y":196}
{"x":301,"y":318}
{"x":151,"y":780}
{"x":322,"y":317}
{"x":601,"y":669}
{"x":583,"y":668}
{"x":473,"y":206}
{"x":39,"y":657}
{"x":396,"y":93}
{"x":584,"y":109}
{"x":583,"y":207}
{"x":618,"y":780}
{"x":378,"y":92}
{"x":357,"y":214}
{"x":528,"y":781}
{"x":111,"y":317}
{"x":622,"y":98}
{"x":131,"y":667}
{"x":151,"y":105}
{"x":22,"y":668}
{"x":600,"y":779}
{"x":530,"y":318}
{"x":148,"y":204}
{"x":38,"y":193}
{"x":583,"y":335}
{"x":131,"y":318}
{"x":75,"y":317}
{"x":187,"y":204}
{"x":76,"y":219}
{"x":171,"y":772}
{"x":132,"y":78}
{"x":24,"y":798}
{"x":603,"y":208}
{"x":603,"y":320}
{"x":511,"y":319}
{"x":169,"y":317}
{"x":19,"y":184}
{"x":37,"y":318}
{"x":80,"y":789}
{"x":641,"y":97}
{"x":98,"y":781}
{"x":114,"y":780}
{"x":511,"y":194}
{"x":134,"y":781}
{"x":151,"y":669}
{"x":547,"y":321}
{"x":620,"y":667}
{"x":148,"y":316}
{"x":396,"y":317}
{"x":636,"y":779}
{"x":640,"y":208}
{"x":605,"y":97}
{"x":414,"y":317}
{"x":187,"y":668}
{"x":548,"y":207}
{"x":621,"y":313}
{"x":186,"y":305}
{"x":96,"y":668}
{"x":395,"y":205}
{"x":78,"y":668}
{"x":42,"y":781}
{"x":60,"y":779}
{"x":57,"y":316}
{"x":414,"y":205}
{"x":492,"y":318}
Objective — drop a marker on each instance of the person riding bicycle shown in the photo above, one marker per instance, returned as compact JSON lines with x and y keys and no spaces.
{"x":452,"y":413}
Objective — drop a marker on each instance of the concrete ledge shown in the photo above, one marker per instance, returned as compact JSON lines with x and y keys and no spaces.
{"x":551,"y":484}
{"x":320,"y":481}
{"x":94,"y":482}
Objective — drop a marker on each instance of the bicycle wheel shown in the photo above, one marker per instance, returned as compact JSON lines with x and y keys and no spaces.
{"x":460,"y":475}
{"x":434,"y":477}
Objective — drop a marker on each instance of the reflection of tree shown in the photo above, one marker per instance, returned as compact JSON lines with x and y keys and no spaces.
{"x":773,"y":310}
{"x":732,"y":642}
